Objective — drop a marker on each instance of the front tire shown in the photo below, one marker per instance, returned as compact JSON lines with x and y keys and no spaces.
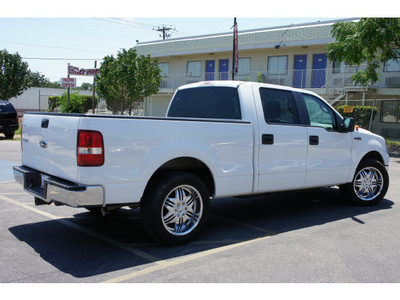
{"x":175,"y":207}
{"x":369,"y":185}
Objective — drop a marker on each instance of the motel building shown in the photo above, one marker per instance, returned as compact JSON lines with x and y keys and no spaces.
{"x":292,"y":55}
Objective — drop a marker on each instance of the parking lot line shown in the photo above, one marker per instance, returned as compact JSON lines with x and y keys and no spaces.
{"x":159,"y":264}
{"x":181,"y":260}
{"x":64,"y":220}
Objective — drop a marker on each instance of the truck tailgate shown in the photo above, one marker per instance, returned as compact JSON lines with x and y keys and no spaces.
{"x":49,"y":144}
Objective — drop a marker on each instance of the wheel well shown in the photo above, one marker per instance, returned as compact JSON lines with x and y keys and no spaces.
{"x":373,"y":155}
{"x":189,"y":165}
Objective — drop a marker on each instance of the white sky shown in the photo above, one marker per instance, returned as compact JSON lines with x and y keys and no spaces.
{"x":83,"y":31}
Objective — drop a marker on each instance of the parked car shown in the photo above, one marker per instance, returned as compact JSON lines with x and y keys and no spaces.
{"x":219,"y":139}
{"x":8,"y":119}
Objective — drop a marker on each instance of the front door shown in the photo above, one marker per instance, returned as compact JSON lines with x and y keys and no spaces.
{"x":210,"y":69}
{"x":319,"y":69}
{"x":329,"y":151}
{"x":223,"y":69}
{"x":299,"y":75}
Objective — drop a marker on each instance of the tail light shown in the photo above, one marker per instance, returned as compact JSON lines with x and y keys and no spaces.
{"x":90,"y":148}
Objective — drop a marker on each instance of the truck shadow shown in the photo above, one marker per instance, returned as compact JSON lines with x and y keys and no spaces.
{"x":90,"y":246}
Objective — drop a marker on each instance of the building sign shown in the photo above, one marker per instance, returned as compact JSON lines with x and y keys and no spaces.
{"x":348,"y":109}
{"x":82,"y":72}
{"x":68,"y":83}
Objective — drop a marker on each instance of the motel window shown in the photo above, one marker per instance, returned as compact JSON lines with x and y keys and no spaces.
{"x":164,"y":69}
{"x":193,"y":69}
{"x":244,"y":66}
{"x":340,"y":66}
{"x":390,"y":111}
{"x":277,"y":65}
{"x":392,"y":65}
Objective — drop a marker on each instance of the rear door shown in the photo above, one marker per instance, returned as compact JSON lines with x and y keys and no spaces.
{"x":282,"y":153}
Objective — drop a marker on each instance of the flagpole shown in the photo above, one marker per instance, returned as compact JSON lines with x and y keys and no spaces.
{"x":234,"y":49}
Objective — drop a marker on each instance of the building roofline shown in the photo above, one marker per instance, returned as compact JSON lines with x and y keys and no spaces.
{"x":249,"y":31}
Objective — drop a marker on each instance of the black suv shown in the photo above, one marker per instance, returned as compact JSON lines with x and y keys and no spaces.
{"x":8,"y":119}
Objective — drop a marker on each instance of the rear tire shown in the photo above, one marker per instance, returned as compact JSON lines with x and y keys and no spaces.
{"x":369,"y":185}
{"x":9,"y":135}
{"x":175,"y":207}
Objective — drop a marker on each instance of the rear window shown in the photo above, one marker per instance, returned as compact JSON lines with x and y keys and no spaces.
{"x":206,"y":102}
{"x":6,"y":107}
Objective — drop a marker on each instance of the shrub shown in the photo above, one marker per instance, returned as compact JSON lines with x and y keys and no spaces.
{"x":77,"y":103}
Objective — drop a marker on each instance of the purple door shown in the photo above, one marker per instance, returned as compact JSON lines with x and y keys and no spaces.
{"x":318,"y":72}
{"x":223,"y":69}
{"x":299,"y":75}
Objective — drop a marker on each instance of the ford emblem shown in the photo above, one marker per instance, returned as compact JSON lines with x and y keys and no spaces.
{"x":43,"y":144}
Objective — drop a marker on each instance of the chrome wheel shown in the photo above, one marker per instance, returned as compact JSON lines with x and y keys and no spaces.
{"x":182,"y":210}
{"x":368,"y":183}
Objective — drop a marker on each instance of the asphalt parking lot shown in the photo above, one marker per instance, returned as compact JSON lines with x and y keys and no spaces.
{"x":299,"y":237}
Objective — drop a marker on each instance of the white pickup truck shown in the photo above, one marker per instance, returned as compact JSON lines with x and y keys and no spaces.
{"x":219,"y":139}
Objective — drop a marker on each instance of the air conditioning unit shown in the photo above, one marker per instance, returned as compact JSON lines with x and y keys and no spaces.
{"x":390,"y":133}
{"x":392,"y":81}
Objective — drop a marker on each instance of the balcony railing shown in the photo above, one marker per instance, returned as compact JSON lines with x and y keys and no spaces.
{"x":322,"y":79}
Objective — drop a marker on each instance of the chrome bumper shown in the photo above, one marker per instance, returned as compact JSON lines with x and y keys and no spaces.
{"x":55,"y":190}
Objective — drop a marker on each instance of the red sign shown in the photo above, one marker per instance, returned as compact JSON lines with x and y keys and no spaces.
{"x":68,"y":83}
{"x":82,"y":72}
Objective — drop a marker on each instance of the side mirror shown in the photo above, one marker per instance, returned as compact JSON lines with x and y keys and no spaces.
{"x":348,"y":125}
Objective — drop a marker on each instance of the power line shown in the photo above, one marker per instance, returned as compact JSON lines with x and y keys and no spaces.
{"x":76,"y":30}
{"x":59,"y":58}
{"x":53,"y":47}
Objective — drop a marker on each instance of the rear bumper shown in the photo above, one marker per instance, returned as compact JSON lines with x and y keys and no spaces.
{"x":8,"y":127}
{"x":55,"y":190}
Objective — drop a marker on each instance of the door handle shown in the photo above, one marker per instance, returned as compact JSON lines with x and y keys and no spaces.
{"x":268,"y":139}
{"x":314,"y":140}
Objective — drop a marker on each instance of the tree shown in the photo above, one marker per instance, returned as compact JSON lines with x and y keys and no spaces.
{"x":373,"y":41}
{"x":14,"y":75}
{"x":36,"y":79}
{"x":127,"y":78}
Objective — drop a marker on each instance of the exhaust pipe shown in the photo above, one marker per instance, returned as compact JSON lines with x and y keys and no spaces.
{"x":105,"y":212}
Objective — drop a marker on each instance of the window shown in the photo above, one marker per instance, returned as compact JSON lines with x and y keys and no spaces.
{"x":320,"y":114}
{"x":279,"y":106}
{"x":340,"y":66}
{"x":390,"y":112}
{"x":392,"y":65}
{"x":206,"y":102}
{"x":244,"y":66}
{"x":193,"y":68}
{"x":277,"y":65}
{"x":164,"y":69}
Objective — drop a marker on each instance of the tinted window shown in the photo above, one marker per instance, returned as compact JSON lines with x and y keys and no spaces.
{"x":206,"y":102}
{"x":279,"y":106}
{"x":320,"y":114}
{"x":6,"y":107}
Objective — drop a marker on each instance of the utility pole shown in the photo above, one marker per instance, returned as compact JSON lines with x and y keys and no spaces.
{"x":94,"y":86}
{"x":164,"y":29}
{"x":235,"y":58}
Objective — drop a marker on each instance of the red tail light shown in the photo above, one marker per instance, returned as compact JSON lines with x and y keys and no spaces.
{"x":90,"y":149}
